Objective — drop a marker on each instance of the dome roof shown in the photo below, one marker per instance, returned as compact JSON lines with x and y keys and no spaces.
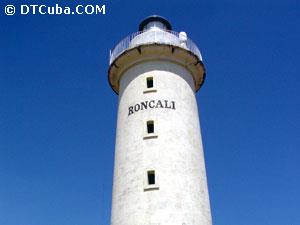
{"x":155,"y":18}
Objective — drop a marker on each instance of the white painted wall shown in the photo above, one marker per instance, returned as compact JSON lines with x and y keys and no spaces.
{"x":176,"y":154}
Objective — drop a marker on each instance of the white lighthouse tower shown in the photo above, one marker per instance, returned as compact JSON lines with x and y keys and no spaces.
{"x":159,"y":173}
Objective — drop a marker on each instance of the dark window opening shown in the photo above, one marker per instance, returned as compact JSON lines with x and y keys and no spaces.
{"x":150,"y":82}
{"x":151,"y":177}
{"x":150,"y":127}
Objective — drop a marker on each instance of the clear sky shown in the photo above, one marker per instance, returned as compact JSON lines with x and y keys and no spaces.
{"x":58,"y":113}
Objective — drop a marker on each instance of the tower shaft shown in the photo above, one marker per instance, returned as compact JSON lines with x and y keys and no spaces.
{"x":159,"y":172}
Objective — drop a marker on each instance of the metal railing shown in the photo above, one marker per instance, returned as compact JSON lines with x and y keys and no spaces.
{"x":150,"y":37}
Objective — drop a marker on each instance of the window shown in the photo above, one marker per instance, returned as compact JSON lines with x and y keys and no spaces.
{"x":149,"y":132}
{"x":151,"y":177}
{"x":149,"y":86}
{"x":151,"y":180}
{"x":150,"y":127}
{"x":149,"y":82}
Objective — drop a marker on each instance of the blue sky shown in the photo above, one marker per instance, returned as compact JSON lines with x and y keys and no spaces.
{"x":58,"y":113}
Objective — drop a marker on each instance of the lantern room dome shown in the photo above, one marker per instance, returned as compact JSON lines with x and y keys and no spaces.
{"x":155,"y":21}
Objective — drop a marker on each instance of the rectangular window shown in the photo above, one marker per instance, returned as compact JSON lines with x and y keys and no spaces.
{"x":150,"y":127}
{"x":149,"y":82}
{"x":151,"y":177}
{"x":151,"y":180}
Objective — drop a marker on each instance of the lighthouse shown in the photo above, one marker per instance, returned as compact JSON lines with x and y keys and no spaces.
{"x":159,"y":170}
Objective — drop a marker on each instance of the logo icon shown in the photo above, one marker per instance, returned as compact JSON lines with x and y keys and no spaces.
{"x":10,"y":10}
